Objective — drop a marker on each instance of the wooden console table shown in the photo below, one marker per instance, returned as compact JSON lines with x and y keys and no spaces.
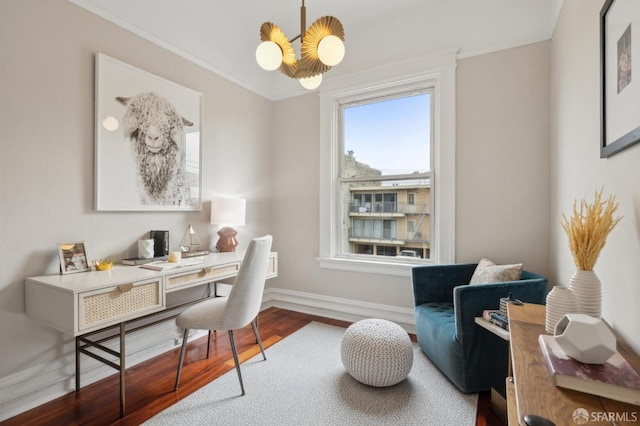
{"x":86,"y":304}
{"x":532,"y":390}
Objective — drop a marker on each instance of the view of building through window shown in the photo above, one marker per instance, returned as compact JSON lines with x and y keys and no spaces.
{"x":386,"y":176}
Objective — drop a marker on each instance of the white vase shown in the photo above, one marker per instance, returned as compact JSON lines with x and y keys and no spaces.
{"x":585,"y":285}
{"x":560,"y":301}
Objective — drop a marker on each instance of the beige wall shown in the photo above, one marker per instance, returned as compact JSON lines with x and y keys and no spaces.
{"x":502,"y":177}
{"x":46,"y":165}
{"x":577,"y":170}
{"x":502,"y":170}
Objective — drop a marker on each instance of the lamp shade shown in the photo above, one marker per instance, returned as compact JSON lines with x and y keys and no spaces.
{"x":228,"y":211}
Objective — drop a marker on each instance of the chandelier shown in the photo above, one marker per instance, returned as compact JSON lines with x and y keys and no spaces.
{"x":322,"y":47}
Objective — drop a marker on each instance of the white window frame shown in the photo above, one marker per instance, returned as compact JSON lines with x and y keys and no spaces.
{"x":441,"y":78}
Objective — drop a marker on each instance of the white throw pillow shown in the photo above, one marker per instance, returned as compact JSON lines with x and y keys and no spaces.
{"x":488,"y":272}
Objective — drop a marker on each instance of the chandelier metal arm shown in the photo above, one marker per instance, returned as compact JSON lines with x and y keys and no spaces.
{"x":303,"y":21}
{"x":303,"y":24}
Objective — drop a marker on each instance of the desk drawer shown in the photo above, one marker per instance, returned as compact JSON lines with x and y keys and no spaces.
{"x":203,"y":275}
{"x":119,"y":303}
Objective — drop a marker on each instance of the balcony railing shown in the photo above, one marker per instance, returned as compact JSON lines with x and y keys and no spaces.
{"x":382,"y":208}
{"x":389,"y":236}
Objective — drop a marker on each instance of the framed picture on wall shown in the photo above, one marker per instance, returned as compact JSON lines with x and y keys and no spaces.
{"x":73,"y":257}
{"x":620,"y":85}
{"x":148,"y":141}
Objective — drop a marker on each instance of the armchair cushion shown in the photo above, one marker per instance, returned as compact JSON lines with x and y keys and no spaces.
{"x":488,"y":272}
{"x":445,"y":309}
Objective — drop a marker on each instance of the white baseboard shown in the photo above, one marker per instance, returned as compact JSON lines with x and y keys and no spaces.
{"x":337,"y":308}
{"x":37,"y":385}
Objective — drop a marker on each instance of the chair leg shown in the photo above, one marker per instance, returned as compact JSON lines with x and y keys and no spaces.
{"x":208,"y":344}
{"x":256,"y":320}
{"x":182,"y":351}
{"x":235,"y":358}
{"x":258,"y":340}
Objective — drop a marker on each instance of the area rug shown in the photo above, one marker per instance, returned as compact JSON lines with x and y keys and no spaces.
{"x":303,"y":382}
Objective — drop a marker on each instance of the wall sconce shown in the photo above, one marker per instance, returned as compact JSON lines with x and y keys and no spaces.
{"x":227,"y":212}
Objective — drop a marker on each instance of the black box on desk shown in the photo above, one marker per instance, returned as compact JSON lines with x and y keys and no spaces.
{"x":160,"y":243}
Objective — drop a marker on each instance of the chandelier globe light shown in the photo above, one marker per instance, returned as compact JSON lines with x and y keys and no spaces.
{"x":269,"y":55}
{"x":331,"y":50}
{"x":321,"y":47}
{"x":311,"y":83}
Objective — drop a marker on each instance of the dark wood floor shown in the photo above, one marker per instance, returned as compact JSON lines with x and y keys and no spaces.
{"x":150,"y":384}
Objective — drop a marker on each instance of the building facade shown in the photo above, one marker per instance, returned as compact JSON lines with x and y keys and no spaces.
{"x":385,"y":218}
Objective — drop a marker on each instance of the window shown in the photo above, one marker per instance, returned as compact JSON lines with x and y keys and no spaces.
{"x":385,"y":163}
{"x":387,"y":174}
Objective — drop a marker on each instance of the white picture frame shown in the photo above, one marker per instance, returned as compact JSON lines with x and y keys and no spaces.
{"x":73,"y":257}
{"x":161,"y":171}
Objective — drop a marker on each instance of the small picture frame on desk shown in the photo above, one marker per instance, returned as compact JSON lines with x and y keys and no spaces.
{"x":73,"y":257}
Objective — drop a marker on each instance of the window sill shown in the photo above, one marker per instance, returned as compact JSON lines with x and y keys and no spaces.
{"x":394,"y":268}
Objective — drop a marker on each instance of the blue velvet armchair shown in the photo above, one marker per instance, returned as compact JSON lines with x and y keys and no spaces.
{"x":473,"y":358}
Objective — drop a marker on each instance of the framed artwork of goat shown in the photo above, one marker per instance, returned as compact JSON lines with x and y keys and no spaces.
{"x":148,"y":141}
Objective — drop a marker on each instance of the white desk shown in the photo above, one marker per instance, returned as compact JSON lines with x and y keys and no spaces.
{"x":84,"y":304}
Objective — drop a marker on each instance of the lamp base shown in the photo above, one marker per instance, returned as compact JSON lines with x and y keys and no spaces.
{"x":227,"y":241}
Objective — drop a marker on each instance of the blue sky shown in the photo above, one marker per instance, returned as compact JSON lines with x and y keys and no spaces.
{"x":391,"y":136}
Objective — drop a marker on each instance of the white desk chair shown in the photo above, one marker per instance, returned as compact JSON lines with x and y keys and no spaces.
{"x":237,"y":310}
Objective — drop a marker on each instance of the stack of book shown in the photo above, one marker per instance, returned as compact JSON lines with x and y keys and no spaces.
{"x":195,"y":253}
{"x":135,"y":261}
{"x":496,"y":317}
{"x":164,"y":265}
{"x":615,"y":379}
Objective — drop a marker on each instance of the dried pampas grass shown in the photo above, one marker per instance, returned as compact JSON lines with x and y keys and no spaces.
{"x":588,"y":228}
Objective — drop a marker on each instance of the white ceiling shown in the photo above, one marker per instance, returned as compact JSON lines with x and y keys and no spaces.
{"x":222,"y":35}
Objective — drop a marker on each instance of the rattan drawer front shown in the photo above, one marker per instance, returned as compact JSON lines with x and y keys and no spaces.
{"x":202,"y":276}
{"x":110,"y":306}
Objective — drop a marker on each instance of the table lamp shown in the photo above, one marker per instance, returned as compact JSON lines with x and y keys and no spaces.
{"x":227,"y":212}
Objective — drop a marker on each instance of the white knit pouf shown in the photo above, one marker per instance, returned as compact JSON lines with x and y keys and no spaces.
{"x":377,"y":352}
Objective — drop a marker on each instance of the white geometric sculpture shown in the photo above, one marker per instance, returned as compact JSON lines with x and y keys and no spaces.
{"x":585,"y":338}
{"x":145,"y":249}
